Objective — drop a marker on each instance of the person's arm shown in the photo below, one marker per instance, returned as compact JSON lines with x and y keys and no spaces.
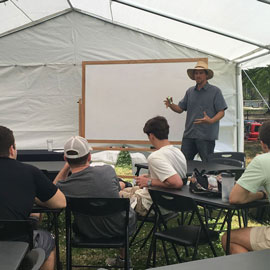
{"x":63,"y":174}
{"x":207,"y":120}
{"x":58,"y":200}
{"x":174,"y":181}
{"x":172,"y":106}
{"x":240,"y":195}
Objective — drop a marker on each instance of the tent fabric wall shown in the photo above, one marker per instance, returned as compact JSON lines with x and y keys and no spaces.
{"x":40,"y":75}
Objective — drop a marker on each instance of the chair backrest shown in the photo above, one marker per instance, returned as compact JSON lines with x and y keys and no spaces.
{"x":172,"y":202}
{"x":98,"y":207}
{"x":17,"y":230}
{"x":228,"y":161}
{"x":230,"y":155}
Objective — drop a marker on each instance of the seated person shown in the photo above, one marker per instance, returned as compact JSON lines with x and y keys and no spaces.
{"x":19,"y":185}
{"x":167,"y":166}
{"x":88,"y":181}
{"x":256,"y":175}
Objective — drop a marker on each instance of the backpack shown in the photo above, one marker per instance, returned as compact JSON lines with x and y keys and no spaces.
{"x":199,"y":185}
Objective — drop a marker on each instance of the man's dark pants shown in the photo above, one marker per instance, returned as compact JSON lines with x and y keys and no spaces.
{"x":191,"y":147}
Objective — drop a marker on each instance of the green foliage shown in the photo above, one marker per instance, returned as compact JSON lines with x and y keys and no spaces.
{"x":261,"y":79}
{"x":124,"y":159}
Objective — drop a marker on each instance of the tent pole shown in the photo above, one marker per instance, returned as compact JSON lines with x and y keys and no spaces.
{"x":254,"y":57}
{"x":257,"y":90}
{"x":239,"y":110}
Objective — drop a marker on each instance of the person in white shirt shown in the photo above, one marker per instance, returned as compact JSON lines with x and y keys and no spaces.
{"x":167,"y":165}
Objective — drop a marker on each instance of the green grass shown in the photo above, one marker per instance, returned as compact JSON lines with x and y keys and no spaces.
{"x":139,"y":256}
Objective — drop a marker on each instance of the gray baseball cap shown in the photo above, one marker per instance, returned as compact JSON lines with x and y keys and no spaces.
{"x":76,"y":147}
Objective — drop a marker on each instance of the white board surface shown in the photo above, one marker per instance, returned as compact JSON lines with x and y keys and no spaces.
{"x":121,"y":96}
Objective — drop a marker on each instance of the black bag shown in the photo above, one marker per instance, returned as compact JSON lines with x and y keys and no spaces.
{"x":200,"y":185}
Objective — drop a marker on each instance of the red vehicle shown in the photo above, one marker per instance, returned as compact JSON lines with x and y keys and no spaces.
{"x":252,"y":131}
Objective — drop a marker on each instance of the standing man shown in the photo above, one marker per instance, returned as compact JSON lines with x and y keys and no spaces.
{"x":246,"y":190}
{"x":92,"y":182}
{"x":205,"y":106}
{"x":19,"y":185}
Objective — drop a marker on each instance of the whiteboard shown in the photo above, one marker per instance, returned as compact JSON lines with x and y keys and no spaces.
{"x":118,"y":97}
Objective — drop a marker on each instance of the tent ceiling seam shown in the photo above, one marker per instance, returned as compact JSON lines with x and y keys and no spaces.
{"x":248,"y":54}
{"x":39,"y":64}
{"x":69,"y":3}
{"x":190,"y":23}
{"x":33,"y":23}
{"x":252,"y":58}
{"x":21,"y":10}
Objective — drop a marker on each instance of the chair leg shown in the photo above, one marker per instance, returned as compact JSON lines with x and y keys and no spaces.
{"x":245,"y":217}
{"x":239,"y":218}
{"x":184,"y":216}
{"x":177,"y":254}
{"x":224,"y":221}
{"x":217,"y":218}
{"x":147,"y":237}
{"x":127,"y":258}
{"x":139,"y":229}
{"x":136,"y":233}
{"x":212,"y":248}
{"x":195,"y":253}
{"x":165,"y":252}
{"x":152,"y":250}
{"x":205,"y":211}
{"x":191,"y":217}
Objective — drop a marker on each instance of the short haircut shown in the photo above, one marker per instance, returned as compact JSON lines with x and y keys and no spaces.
{"x":157,"y":126}
{"x":77,"y":161}
{"x":264,"y":132}
{"x":6,"y":140}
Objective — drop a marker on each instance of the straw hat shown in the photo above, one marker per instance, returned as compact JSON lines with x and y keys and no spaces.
{"x":200,"y":65}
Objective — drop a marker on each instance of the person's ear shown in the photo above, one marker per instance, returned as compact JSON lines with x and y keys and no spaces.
{"x":264,"y":147}
{"x":12,"y":152}
{"x":89,"y":157}
{"x":151,"y":136}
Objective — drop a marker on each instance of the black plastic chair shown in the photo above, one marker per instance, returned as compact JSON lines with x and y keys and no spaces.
{"x":184,"y":235}
{"x":17,"y":230}
{"x":239,"y":156}
{"x":237,"y":159}
{"x":149,"y":218}
{"x":96,"y":207}
{"x":227,"y":161}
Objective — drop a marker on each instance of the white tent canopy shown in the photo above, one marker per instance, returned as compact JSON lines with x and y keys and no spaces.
{"x":43,"y":43}
{"x":233,"y":30}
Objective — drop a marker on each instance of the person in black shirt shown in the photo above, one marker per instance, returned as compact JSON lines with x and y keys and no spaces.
{"x":20,"y":184}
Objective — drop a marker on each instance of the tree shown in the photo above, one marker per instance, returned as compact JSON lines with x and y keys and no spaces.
{"x":261,"y":79}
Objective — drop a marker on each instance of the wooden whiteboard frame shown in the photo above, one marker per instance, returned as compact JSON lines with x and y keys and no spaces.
{"x":82,"y":103}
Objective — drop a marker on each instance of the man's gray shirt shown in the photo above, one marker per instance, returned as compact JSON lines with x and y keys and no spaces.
{"x":97,"y":182}
{"x":208,"y":99}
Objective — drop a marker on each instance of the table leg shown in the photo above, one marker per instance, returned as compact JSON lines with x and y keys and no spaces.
{"x":56,"y":232}
{"x":229,"y":223}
